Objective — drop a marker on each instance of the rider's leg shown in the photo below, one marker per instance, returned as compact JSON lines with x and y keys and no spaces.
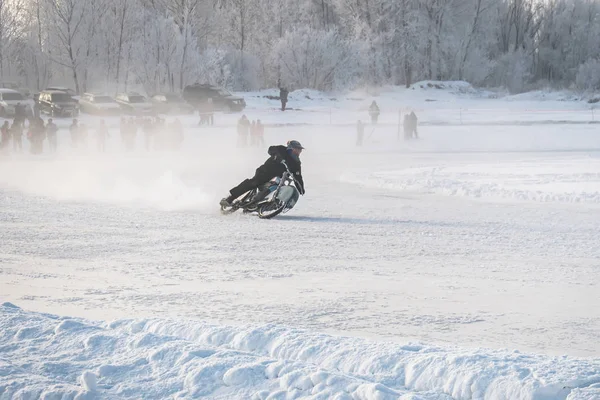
{"x":263,"y":191}
{"x":247,"y":185}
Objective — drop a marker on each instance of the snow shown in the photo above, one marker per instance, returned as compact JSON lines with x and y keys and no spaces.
{"x":556,"y":180}
{"x":89,"y":381}
{"x":157,"y":358}
{"x":463,"y":265}
{"x":436,"y":103}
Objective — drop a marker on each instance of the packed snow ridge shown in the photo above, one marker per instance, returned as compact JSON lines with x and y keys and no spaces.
{"x":49,"y":357}
{"x":541,"y":181}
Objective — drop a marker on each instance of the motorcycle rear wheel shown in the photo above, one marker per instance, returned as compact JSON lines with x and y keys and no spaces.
{"x":270,"y":209}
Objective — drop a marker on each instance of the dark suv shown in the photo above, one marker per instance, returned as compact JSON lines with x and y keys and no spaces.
{"x":57,"y":104}
{"x":198,"y":94}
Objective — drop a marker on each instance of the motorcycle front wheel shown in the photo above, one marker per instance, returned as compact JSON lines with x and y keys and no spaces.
{"x":271,"y":209}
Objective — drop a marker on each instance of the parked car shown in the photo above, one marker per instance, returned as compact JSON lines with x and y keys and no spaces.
{"x":134,"y":103}
{"x":9,"y":99}
{"x":67,"y":90}
{"x":57,"y":104}
{"x":198,"y":94}
{"x":170,"y":103}
{"x":14,"y":86}
{"x":99,"y":104}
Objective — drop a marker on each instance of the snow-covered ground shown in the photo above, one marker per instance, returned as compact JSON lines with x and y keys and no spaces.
{"x":50,"y":357}
{"x":436,"y":103}
{"x":462,"y":265}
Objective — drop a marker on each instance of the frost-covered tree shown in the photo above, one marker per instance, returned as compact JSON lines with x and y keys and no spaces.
{"x":588,"y":75}
{"x":472,"y":61}
{"x":163,"y":45}
{"x":313,"y":58}
{"x":12,"y":31}
{"x":567,"y":38}
{"x":68,"y":23}
{"x":154,"y":61}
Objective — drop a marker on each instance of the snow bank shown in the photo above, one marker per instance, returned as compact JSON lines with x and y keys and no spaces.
{"x":455,"y":87}
{"x":387,"y":96}
{"x":77,"y":359}
{"x":435,"y":102}
{"x":546,"y":95}
{"x":422,"y":91}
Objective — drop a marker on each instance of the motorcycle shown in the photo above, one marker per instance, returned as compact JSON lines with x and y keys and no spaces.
{"x":268,"y":200}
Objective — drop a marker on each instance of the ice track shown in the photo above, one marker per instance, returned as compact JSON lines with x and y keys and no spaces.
{"x":412,"y":259}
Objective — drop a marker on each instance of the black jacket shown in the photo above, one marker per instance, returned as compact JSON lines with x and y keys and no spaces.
{"x":274,"y":167}
{"x":283,"y":94}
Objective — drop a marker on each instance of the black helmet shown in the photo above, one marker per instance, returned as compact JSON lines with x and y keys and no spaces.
{"x":294,"y":144}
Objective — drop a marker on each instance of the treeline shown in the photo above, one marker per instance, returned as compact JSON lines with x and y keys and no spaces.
{"x":162,"y":45}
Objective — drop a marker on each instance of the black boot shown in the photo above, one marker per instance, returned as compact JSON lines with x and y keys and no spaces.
{"x":226,"y":202}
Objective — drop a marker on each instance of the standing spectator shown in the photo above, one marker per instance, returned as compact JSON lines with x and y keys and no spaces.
{"x":41,"y":133}
{"x":407,"y":128}
{"x":20,"y":113}
{"x":74,"y":131}
{"x":413,"y":125}
{"x":4,"y":136}
{"x":101,"y":136}
{"x":161,"y":134}
{"x":360,"y":133}
{"x":283,"y":96}
{"x":148,"y":128}
{"x":17,"y":135}
{"x":253,"y":134}
{"x":260,"y":133}
{"x":82,"y":135}
{"x":31,"y":132}
{"x":210,"y":112}
{"x":202,"y":111}
{"x":36,"y":135}
{"x":242,"y":129}
{"x":51,"y":133}
{"x":36,"y":109}
{"x":374,"y":112}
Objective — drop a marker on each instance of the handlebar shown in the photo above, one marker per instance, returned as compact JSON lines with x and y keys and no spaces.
{"x":286,"y":167}
{"x":288,"y":170}
{"x":290,"y":174}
